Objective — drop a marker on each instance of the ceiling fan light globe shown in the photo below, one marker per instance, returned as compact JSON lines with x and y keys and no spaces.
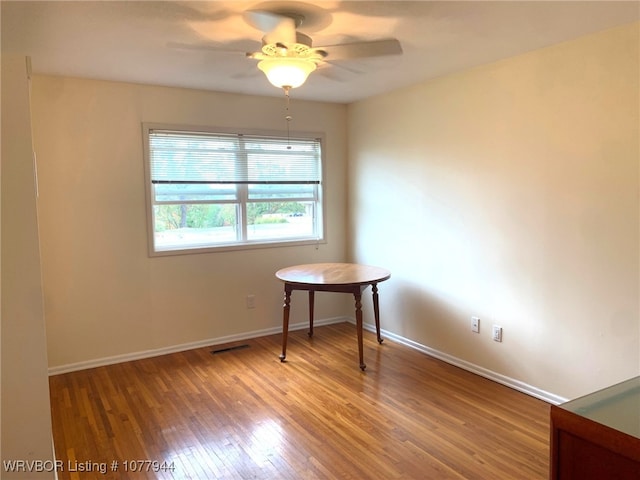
{"x":286,"y":72}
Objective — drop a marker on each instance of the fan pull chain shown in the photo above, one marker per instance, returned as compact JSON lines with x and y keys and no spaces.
{"x":287,"y":117}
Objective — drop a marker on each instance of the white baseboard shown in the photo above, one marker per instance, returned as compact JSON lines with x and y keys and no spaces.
{"x":483,"y":372}
{"x":470,"y":367}
{"x":100,"y":362}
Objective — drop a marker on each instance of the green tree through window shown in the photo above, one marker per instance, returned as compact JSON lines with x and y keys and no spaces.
{"x":210,"y":190}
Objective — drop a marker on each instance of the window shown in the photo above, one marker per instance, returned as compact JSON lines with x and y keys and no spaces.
{"x":209,"y":190}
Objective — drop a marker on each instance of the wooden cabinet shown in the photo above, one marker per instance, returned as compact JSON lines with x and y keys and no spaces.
{"x":598,"y":436}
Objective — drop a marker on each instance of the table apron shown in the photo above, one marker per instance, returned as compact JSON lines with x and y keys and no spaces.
{"x":355,"y":289}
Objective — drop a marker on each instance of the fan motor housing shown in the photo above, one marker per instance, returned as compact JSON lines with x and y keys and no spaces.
{"x":286,"y":50}
{"x":301,"y":39}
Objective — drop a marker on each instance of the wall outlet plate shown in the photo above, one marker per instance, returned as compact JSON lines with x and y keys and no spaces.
{"x":497,"y":333}
{"x":251,"y":301}
{"x":475,"y":324}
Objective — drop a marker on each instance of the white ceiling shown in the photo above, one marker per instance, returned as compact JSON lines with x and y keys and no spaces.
{"x":138,"y":41}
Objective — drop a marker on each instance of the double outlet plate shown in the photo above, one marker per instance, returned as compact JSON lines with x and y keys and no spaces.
{"x":496,"y":333}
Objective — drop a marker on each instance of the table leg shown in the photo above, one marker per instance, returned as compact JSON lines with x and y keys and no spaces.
{"x":376,"y":310}
{"x":285,"y":321}
{"x":358,"y":298}
{"x":311,"y":298}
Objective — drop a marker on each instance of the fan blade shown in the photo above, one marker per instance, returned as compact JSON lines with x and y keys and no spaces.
{"x":277,"y":28}
{"x":337,"y":66}
{"x":247,"y":73}
{"x":350,"y":51}
{"x":330,"y":74}
{"x":336,"y":72}
{"x":209,"y":46}
{"x":239,"y":47}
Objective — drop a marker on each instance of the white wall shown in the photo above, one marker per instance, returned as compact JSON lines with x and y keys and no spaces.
{"x":104,"y":296}
{"x":26,"y":418}
{"x":510,"y":192}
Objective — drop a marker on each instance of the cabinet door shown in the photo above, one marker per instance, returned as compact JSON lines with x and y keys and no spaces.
{"x":583,"y":449}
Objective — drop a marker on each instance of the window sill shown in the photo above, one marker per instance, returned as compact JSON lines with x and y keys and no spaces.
{"x":235,"y":247}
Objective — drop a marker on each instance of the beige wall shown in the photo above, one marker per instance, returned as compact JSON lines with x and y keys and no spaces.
{"x":26,"y":417}
{"x":104,"y":296}
{"x":510,"y":192}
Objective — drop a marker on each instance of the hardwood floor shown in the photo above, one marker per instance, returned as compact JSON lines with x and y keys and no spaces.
{"x":241,"y":414}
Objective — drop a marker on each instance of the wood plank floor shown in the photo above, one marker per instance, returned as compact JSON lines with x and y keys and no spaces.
{"x":242,"y":414}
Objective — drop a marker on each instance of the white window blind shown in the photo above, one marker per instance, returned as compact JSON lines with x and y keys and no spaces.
{"x":204,"y":158}
{"x":209,"y":190}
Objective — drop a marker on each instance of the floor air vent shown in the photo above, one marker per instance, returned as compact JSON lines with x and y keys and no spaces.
{"x":228,"y":349}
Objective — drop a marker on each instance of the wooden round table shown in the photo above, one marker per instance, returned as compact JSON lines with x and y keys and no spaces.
{"x":332,"y":277}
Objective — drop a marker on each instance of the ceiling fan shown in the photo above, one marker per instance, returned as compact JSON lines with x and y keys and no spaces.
{"x":288,"y":56}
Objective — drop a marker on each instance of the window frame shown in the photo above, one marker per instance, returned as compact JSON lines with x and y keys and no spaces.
{"x":243,"y":198}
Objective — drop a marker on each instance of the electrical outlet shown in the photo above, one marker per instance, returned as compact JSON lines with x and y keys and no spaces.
{"x":251,"y":301}
{"x":475,"y":324}
{"x":497,"y":333}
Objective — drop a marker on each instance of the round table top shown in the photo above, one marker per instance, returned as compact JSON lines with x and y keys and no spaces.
{"x":333,"y":274}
